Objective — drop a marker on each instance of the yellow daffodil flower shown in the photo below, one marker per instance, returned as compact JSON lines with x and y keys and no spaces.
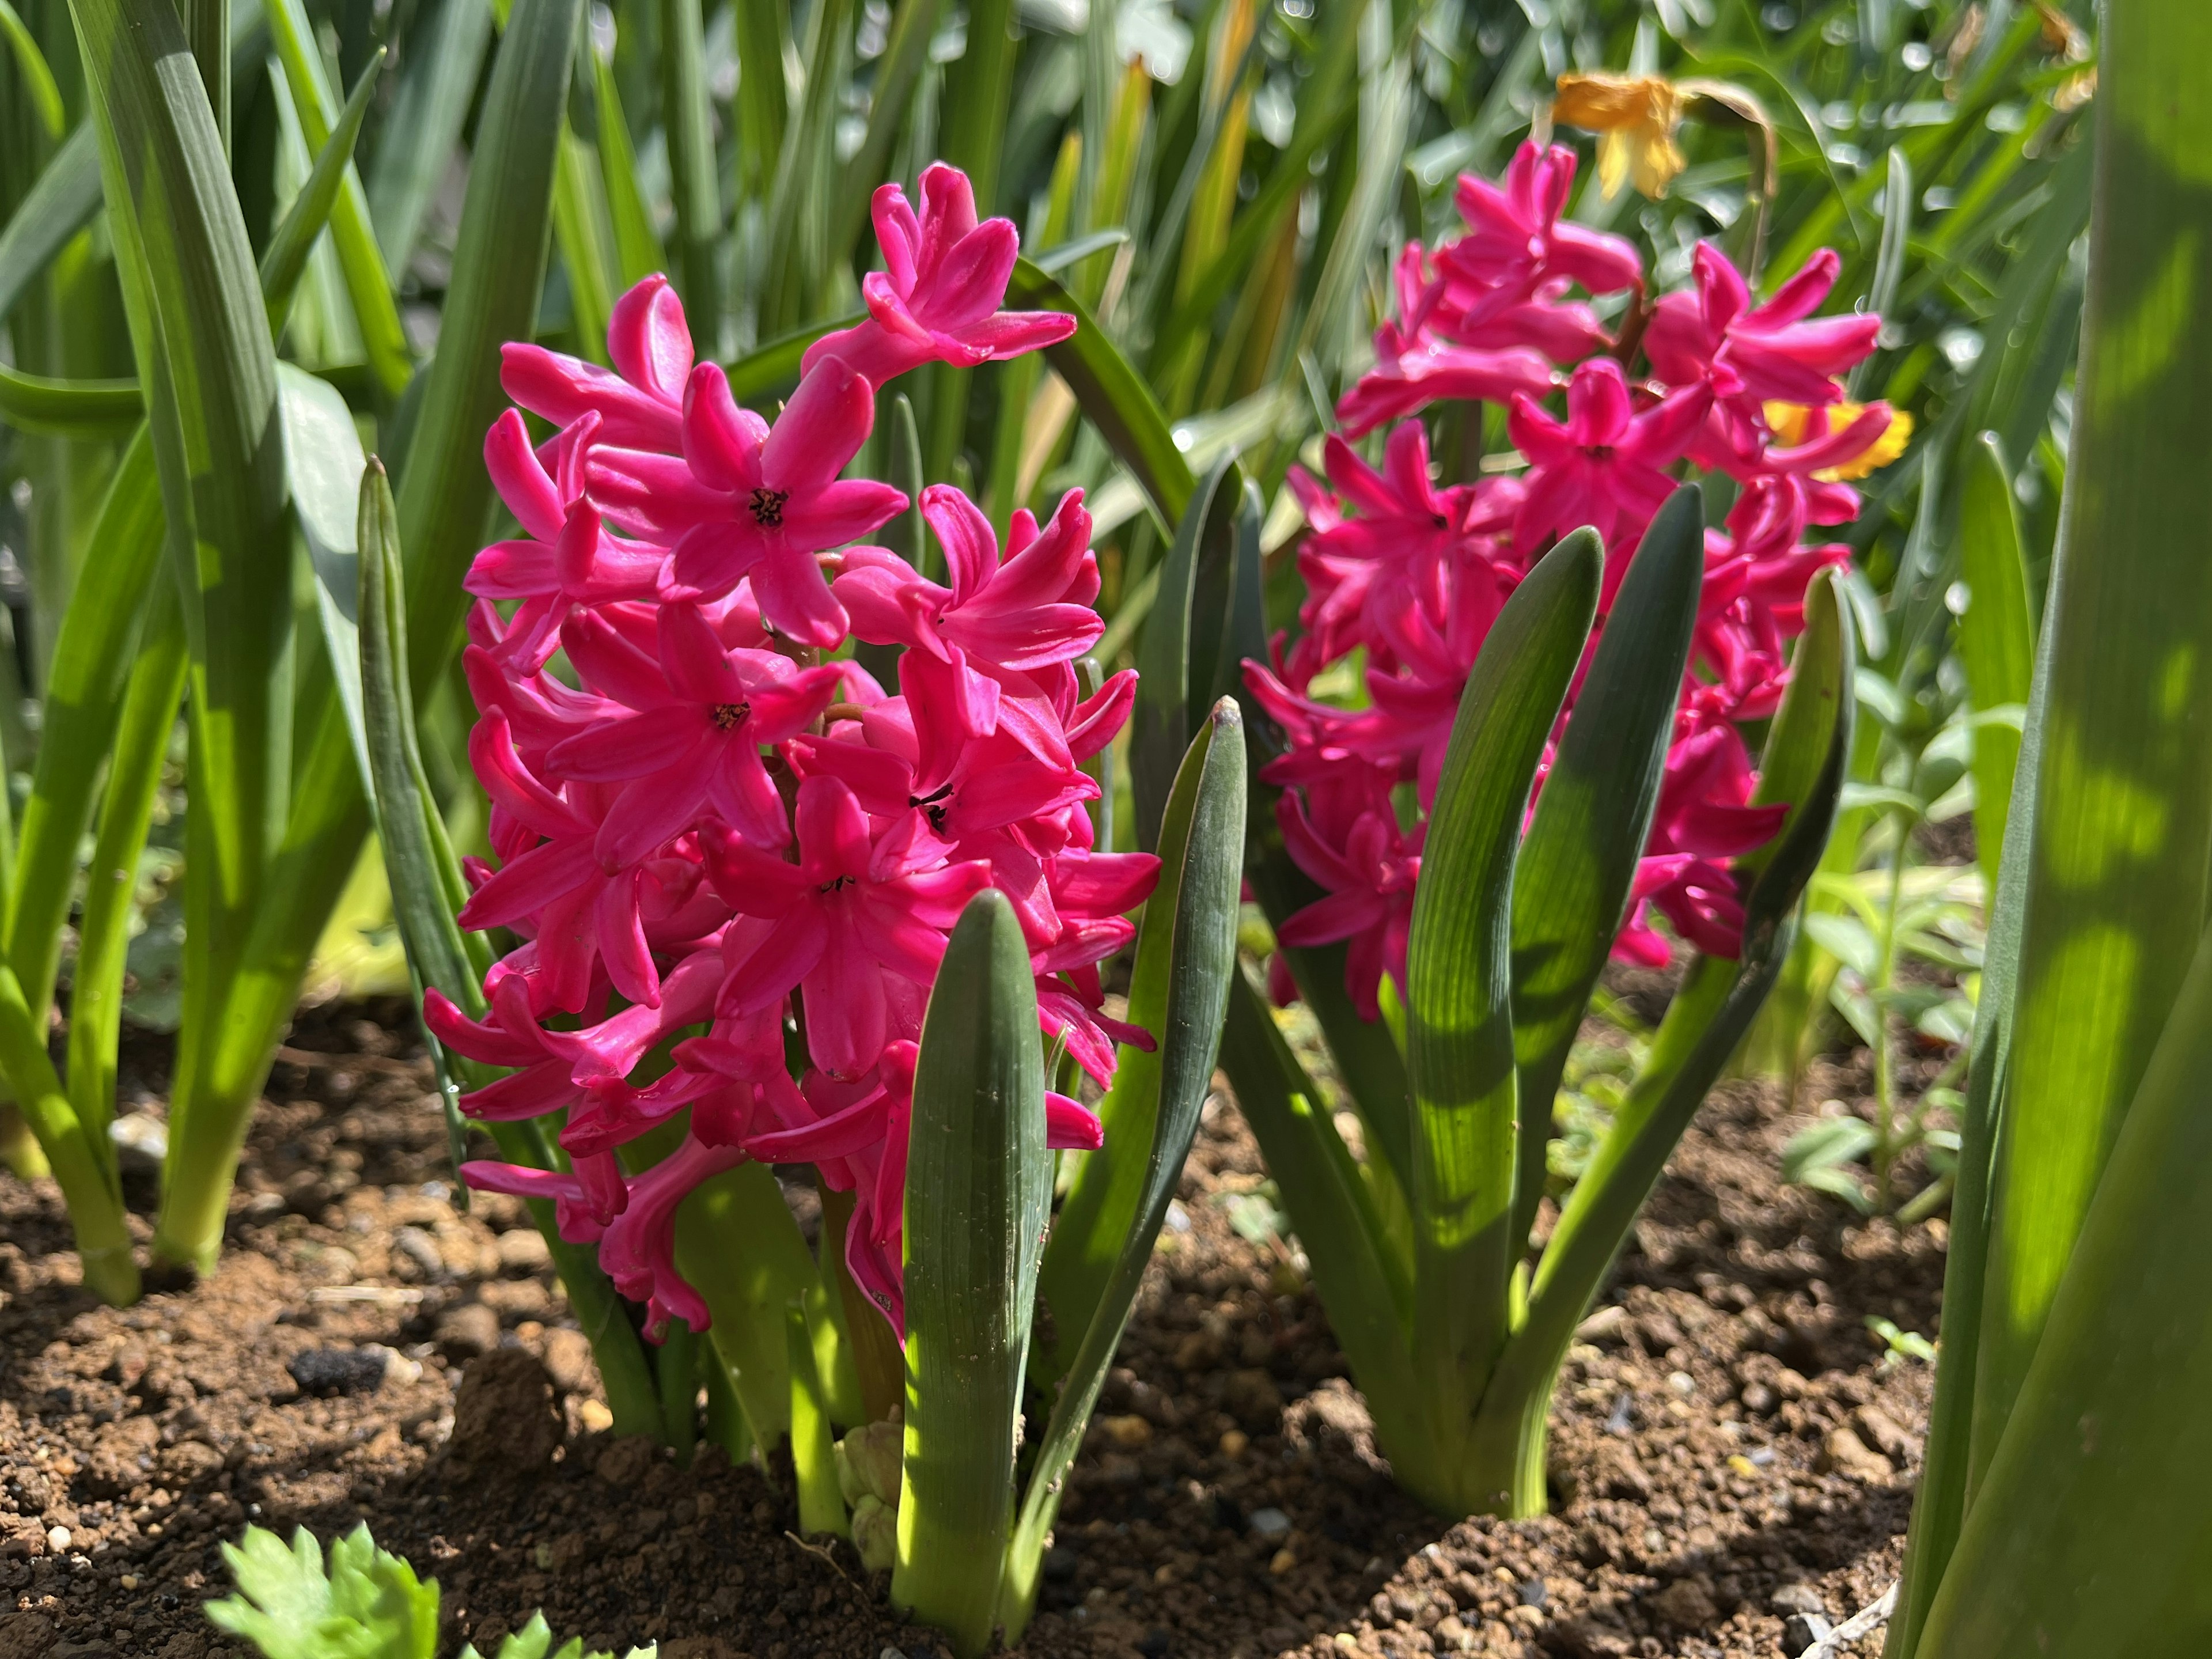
{"x":1795,"y":423}
{"x":1635,"y":117}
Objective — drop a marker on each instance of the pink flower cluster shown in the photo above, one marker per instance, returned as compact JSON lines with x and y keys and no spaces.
{"x":1411,"y":576}
{"x":732,"y":858}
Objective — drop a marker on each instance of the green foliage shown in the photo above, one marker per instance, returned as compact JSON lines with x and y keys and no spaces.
{"x":2061,"y":1507}
{"x":363,"y":1603}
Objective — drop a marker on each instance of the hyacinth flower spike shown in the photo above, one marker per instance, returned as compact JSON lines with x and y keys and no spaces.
{"x":938,"y":298}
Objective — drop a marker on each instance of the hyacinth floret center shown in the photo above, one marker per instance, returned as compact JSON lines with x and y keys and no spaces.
{"x":727,"y":715}
{"x":767,"y":505}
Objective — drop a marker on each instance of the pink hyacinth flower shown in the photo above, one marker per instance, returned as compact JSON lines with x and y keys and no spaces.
{"x":1777,"y":351}
{"x":1516,"y":240}
{"x":937,"y":299}
{"x":746,"y":500}
{"x":1603,"y":465}
{"x":641,"y":405}
{"x":842,"y":922}
{"x":691,"y":736}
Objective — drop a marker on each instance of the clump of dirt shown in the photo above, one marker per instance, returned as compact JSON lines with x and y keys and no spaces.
{"x":1732,"y":1448}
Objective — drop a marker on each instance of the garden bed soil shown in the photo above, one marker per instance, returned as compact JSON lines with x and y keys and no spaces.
{"x":1731,"y":1447}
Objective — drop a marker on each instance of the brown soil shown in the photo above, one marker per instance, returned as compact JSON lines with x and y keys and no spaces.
{"x":1731,"y":1445}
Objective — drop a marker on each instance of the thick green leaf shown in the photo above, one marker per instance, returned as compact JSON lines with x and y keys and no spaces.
{"x":367,"y":279}
{"x":68,"y":408}
{"x":437,"y":85}
{"x":286,"y":256}
{"x":1179,"y":991}
{"x":763,"y":100}
{"x":1458,"y":1046}
{"x":201,"y":336}
{"x":813,"y":1452}
{"x":2087,"y":1532}
{"x":146,"y":721}
{"x":2120,"y":865}
{"x":1175,"y":638}
{"x":324,"y":461}
{"x":1364,"y":1286}
{"x":1996,"y":635}
{"x":737,"y":1244}
{"x":1111,"y":394}
{"x":59,"y":206}
{"x":1939,"y":1503}
{"x":1807,"y":750}
{"x":1578,"y":862}
{"x":638,"y":253}
{"x":979,"y":1189}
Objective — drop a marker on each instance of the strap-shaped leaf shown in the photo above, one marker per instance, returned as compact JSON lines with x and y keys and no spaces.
{"x":2089,"y":1531}
{"x":499,"y":267}
{"x":1939,"y":1506}
{"x":1111,"y":394}
{"x":1459,"y":969}
{"x":1206,"y":618}
{"x":324,"y":460}
{"x":1996,"y":635}
{"x":979,"y":1187}
{"x":1578,"y":861}
{"x":68,"y":408}
{"x":59,"y":206}
{"x":367,"y":282}
{"x":200,"y":333}
{"x":146,"y":722}
{"x":1179,"y":991}
{"x":286,"y":256}
{"x":37,"y":79}
{"x":1807,"y":756}
{"x":1806,"y":760}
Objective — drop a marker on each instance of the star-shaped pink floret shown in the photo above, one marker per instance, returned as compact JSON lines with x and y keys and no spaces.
{"x":937,"y":298}
{"x":839,"y":921}
{"x":698,"y":717}
{"x":1602,"y":466}
{"x":749,"y":499}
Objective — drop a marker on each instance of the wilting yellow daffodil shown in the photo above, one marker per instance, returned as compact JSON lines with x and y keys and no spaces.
{"x":1635,"y":117}
{"x":1796,"y":423}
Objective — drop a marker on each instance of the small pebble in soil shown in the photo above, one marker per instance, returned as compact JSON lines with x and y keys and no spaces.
{"x":1271,"y":1524}
{"x":337,"y":1371}
{"x":1533,"y":1592}
{"x":1797,"y":1596}
{"x":1801,"y":1630}
{"x":1234,"y":1442}
{"x":58,"y":1538}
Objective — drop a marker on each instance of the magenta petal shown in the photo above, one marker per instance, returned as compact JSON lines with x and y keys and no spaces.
{"x":721,"y":442}
{"x":1070,"y":1126}
{"x":821,"y":428}
{"x":796,"y":600}
{"x":648,"y":339}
